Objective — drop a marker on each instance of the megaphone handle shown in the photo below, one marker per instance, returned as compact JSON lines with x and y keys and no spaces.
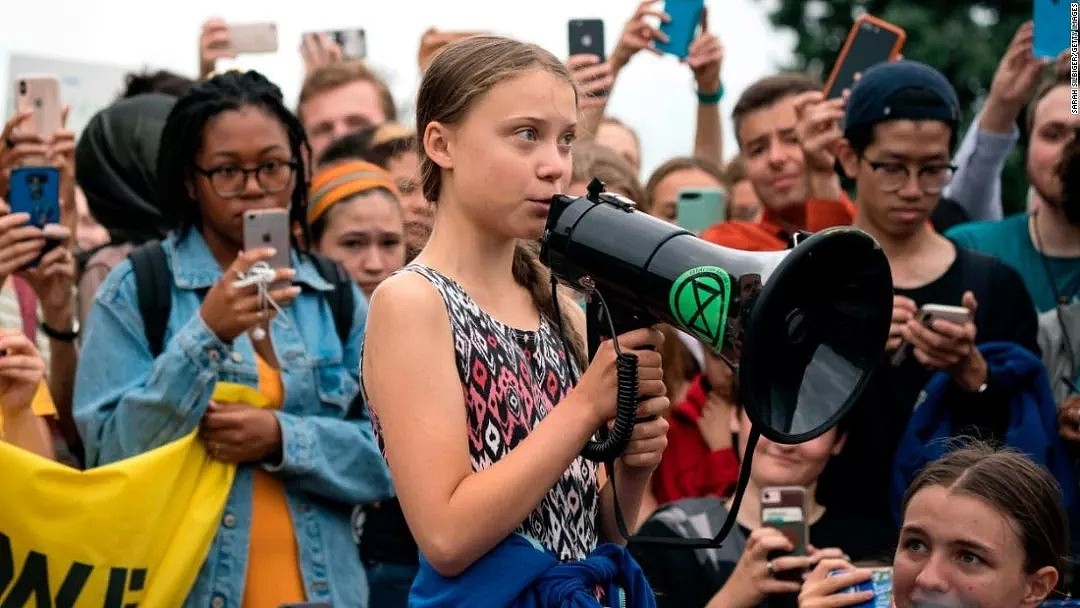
{"x":612,"y":443}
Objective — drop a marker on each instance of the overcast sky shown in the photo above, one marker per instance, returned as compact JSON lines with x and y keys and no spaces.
{"x":655,"y":95}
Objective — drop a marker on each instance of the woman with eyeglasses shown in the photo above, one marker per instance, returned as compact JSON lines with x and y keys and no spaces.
{"x":228,"y":147}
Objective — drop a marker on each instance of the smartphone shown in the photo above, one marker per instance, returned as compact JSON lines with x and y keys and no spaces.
{"x":871,"y":41}
{"x":40,"y":95}
{"x":36,"y":192}
{"x":784,"y":508}
{"x":353,"y":42}
{"x":587,"y":37}
{"x":1052,"y":26}
{"x":928,"y":313}
{"x":269,"y":228}
{"x":698,"y":208}
{"x":685,"y":19}
{"x":254,"y":37}
{"x":880,"y":583}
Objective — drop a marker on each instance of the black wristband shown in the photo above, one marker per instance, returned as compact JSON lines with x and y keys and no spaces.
{"x":63,"y":336}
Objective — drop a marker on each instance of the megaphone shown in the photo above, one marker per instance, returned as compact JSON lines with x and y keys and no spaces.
{"x":807,"y":325}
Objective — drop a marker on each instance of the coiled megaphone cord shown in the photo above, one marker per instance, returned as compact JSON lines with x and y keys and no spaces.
{"x":610,"y":443}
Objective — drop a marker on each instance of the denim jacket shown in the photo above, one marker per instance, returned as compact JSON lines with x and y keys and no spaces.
{"x":127,"y":402}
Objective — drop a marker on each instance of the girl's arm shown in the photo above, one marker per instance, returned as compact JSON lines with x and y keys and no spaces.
{"x":457,"y":515}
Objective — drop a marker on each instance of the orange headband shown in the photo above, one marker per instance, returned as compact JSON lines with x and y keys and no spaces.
{"x":342,"y":180}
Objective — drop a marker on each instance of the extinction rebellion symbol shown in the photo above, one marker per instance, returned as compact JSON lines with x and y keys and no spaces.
{"x":699,"y":302}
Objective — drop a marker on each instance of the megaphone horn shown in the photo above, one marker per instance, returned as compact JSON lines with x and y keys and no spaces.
{"x":807,"y":324}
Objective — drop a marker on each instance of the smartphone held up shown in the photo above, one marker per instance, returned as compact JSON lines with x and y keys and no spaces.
{"x":871,"y":41}
{"x":784,"y":508}
{"x":269,"y":228}
{"x":586,"y":37}
{"x":682,"y":27}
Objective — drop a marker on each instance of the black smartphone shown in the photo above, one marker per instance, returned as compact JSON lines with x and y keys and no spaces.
{"x":871,"y":41}
{"x":353,"y":42}
{"x":587,"y":37}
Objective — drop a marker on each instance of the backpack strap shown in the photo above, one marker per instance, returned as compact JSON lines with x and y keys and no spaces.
{"x":153,"y":280}
{"x":27,"y":306}
{"x":342,"y":305}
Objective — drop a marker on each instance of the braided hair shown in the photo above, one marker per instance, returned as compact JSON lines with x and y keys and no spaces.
{"x":183,"y":133}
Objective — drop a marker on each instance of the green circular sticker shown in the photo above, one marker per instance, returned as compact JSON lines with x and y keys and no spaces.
{"x":699,"y":301}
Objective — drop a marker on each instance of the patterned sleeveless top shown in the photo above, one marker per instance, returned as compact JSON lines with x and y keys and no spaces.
{"x":511,"y":379}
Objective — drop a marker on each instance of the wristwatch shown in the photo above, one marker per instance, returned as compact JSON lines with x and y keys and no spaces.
{"x":63,"y":336}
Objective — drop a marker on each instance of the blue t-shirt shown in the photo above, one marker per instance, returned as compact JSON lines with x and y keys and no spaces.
{"x":1010,"y":242}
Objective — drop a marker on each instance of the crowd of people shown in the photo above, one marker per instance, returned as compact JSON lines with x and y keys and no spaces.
{"x":429,"y":395}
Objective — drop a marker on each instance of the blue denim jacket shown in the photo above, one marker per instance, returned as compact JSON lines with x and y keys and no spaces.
{"x":127,"y":402}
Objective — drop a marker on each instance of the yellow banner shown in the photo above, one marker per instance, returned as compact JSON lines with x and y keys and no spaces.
{"x":132,"y":533}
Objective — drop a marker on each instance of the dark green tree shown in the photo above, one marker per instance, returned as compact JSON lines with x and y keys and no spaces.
{"x":963,"y":39}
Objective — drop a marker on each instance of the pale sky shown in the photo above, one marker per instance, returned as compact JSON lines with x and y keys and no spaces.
{"x":654,"y":95}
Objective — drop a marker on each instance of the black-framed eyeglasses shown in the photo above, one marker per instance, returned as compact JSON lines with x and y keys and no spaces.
{"x":228,"y":181}
{"x":893,"y":175}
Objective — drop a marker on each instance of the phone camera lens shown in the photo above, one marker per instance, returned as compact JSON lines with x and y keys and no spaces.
{"x":22,"y":87}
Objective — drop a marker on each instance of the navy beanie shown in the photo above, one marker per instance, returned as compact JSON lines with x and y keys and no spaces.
{"x":901,"y":90}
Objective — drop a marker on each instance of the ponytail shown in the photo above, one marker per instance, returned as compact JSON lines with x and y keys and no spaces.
{"x":534,"y":276}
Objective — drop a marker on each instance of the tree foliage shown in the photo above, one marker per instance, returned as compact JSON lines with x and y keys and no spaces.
{"x":963,"y":39}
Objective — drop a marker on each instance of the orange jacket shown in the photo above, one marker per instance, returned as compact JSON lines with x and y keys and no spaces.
{"x":767,"y":235}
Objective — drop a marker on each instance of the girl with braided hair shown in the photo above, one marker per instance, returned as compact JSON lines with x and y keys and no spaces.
{"x":228,"y":147}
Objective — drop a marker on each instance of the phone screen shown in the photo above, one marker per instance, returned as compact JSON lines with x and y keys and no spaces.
{"x":870,"y":46}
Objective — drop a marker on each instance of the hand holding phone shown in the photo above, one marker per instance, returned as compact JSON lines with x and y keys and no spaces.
{"x":958,"y":316}
{"x":34,"y":192}
{"x":784,"y":508}
{"x":229,"y":310}
{"x":214,"y":44}
{"x":318,"y":49}
{"x":871,"y":41}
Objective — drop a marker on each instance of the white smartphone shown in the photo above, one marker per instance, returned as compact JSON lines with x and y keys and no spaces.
{"x":254,"y":37}
{"x":39,"y":94}
{"x":928,"y":313}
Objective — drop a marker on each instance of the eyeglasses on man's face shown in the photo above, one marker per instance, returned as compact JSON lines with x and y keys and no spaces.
{"x":893,"y":176}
